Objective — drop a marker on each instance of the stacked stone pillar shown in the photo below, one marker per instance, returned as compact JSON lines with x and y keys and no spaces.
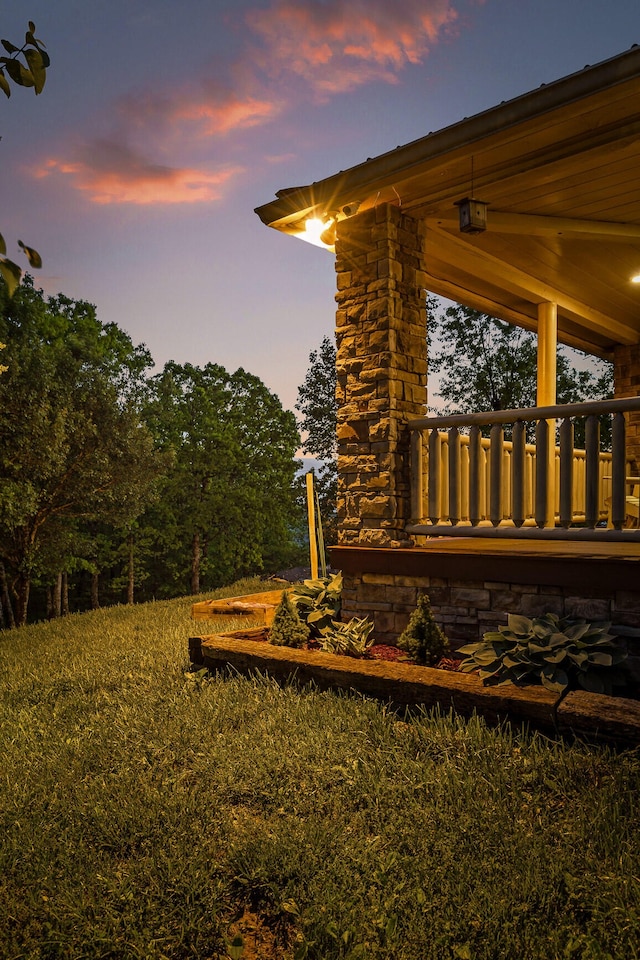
{"x":626,"y":378}
{"x":381,"y":371}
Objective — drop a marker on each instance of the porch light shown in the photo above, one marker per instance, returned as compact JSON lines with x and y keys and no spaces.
{"x":472,"y":214}
{"x":322,"y":233}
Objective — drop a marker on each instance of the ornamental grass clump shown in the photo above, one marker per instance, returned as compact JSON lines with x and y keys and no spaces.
{"x":423,"y":639}
{"x":558,"y":653}
{"x":287,"y":629}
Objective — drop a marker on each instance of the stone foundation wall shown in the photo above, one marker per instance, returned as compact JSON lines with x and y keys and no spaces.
{"x":467,"y":609}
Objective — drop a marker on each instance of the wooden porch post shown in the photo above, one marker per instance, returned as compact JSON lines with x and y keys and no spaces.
{"x":627,"y":384}
{"x":381,"y":356}
{"x":547,"y":390}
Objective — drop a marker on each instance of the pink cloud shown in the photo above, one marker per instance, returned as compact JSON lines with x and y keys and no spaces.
{"x":210,"y":108}
{"x":337,"y":46}
{"x":108,"y":172}
{"x":332,"y":46}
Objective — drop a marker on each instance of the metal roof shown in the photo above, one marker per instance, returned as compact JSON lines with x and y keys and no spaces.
{"x":559,"y":168}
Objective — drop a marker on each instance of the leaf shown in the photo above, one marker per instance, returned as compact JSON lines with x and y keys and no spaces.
{"x":4,"y":84}
{"x":11,"y":273}
{"x":34,"y":258}
{"x":3,"y":246}
{"x":602,"y":659}
{"x":19,"y":74}
{"x":38,"y":72}
{"x":10,"y":47}
{"x":520,"y":625}
{"x":235,"y":948}
{"x":554,"y":680}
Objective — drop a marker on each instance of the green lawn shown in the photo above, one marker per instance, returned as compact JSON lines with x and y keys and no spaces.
{"x":148,"y":813}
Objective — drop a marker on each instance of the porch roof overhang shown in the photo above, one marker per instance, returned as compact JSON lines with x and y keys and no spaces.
{"x":559,"y":168}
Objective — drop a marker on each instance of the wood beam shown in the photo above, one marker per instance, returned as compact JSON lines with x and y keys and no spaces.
{"x":473,"y":259}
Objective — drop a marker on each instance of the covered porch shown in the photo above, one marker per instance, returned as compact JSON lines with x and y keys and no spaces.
{"x":529,"y":211}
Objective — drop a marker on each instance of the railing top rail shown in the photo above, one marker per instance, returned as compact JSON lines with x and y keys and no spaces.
{"x":559,"y":411}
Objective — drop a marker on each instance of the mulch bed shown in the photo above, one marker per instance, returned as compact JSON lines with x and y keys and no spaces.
{"x":379,"y":651}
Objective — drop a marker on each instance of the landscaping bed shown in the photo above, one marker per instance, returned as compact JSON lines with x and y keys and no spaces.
{"x":401,"y":684}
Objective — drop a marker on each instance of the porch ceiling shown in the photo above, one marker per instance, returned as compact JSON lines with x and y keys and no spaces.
{"x":560,"y":170}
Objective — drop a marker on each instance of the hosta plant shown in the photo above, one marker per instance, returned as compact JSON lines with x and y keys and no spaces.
{"x":318,"y":602}
{"x":351,"y":639}
{"x":558,"y":653}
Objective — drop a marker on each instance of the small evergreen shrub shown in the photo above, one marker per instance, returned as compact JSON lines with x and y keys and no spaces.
{"x":287,"y":629}
{"x":423,"y":639}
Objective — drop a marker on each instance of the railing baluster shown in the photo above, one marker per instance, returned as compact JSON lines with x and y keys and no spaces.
{"x":566,"y":473}
{"x":454,"y":475}
{"x":618,"y":471}
{"x":496,"y":501}
{"x":417,"y":479}
{"x":592,"y":450}
{"x":517,"y":473}
{"x":542,"y":460}
{"x":474,"y":478}
{"x":475,"y":465}
{"x":434,"y":476}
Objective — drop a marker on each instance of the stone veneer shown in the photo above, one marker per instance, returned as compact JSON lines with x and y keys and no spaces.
{"x":381,"y":360}
{"x":466,"y":609}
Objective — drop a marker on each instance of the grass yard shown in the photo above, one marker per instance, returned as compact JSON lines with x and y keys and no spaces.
{"x":148,"y":813}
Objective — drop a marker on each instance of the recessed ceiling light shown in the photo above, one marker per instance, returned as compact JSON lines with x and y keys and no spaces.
{"x":636,"y":279}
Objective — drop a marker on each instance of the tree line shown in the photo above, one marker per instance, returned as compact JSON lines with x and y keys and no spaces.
{"x":118,"y":484}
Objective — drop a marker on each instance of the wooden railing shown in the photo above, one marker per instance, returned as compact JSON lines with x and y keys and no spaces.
{"x":463,"y":484}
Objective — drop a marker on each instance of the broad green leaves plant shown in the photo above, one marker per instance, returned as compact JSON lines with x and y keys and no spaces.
{"x":318,"y":602}
{"x":318,"y":605}
{"x":558,"y":653}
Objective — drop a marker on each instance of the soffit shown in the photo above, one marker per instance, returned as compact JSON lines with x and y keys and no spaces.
{"x":560,"y":170}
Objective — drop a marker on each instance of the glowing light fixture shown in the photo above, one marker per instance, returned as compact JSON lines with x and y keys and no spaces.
{"x":636,"y":279}
{"x":322,"y":233}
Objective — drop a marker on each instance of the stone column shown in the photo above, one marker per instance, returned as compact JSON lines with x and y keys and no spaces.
{"x":626,"y":380}
{"x":381,"y":371}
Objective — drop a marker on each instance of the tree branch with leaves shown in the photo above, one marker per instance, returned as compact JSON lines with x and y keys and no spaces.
{"x":25,"y":66}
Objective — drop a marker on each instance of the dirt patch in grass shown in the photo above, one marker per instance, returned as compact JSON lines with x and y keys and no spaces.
{"x":255,"y":939}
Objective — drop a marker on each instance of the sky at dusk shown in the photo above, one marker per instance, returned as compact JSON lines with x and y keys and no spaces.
{"x":164,"y":123}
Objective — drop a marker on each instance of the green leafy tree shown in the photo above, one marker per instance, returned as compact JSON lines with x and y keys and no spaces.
{"x":227,"y":507}
{"x":487,"y":364}
{"x":25,"y":66}
{"x":318,"y":410}
{"x":72,"y":444}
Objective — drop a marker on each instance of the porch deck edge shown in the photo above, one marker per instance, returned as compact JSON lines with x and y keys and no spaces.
{"x":513,"y":561}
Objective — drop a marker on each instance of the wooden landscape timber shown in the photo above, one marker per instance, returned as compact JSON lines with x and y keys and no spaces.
{"x":600,"y":718}
{"x":258,"y":606}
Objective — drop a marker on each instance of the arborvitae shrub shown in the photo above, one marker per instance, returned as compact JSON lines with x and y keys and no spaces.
{"x":423,"y":639}
{"x":287,"y":629}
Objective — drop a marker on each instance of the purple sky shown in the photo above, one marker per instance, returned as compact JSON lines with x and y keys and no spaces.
{"x":163,"y":124}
